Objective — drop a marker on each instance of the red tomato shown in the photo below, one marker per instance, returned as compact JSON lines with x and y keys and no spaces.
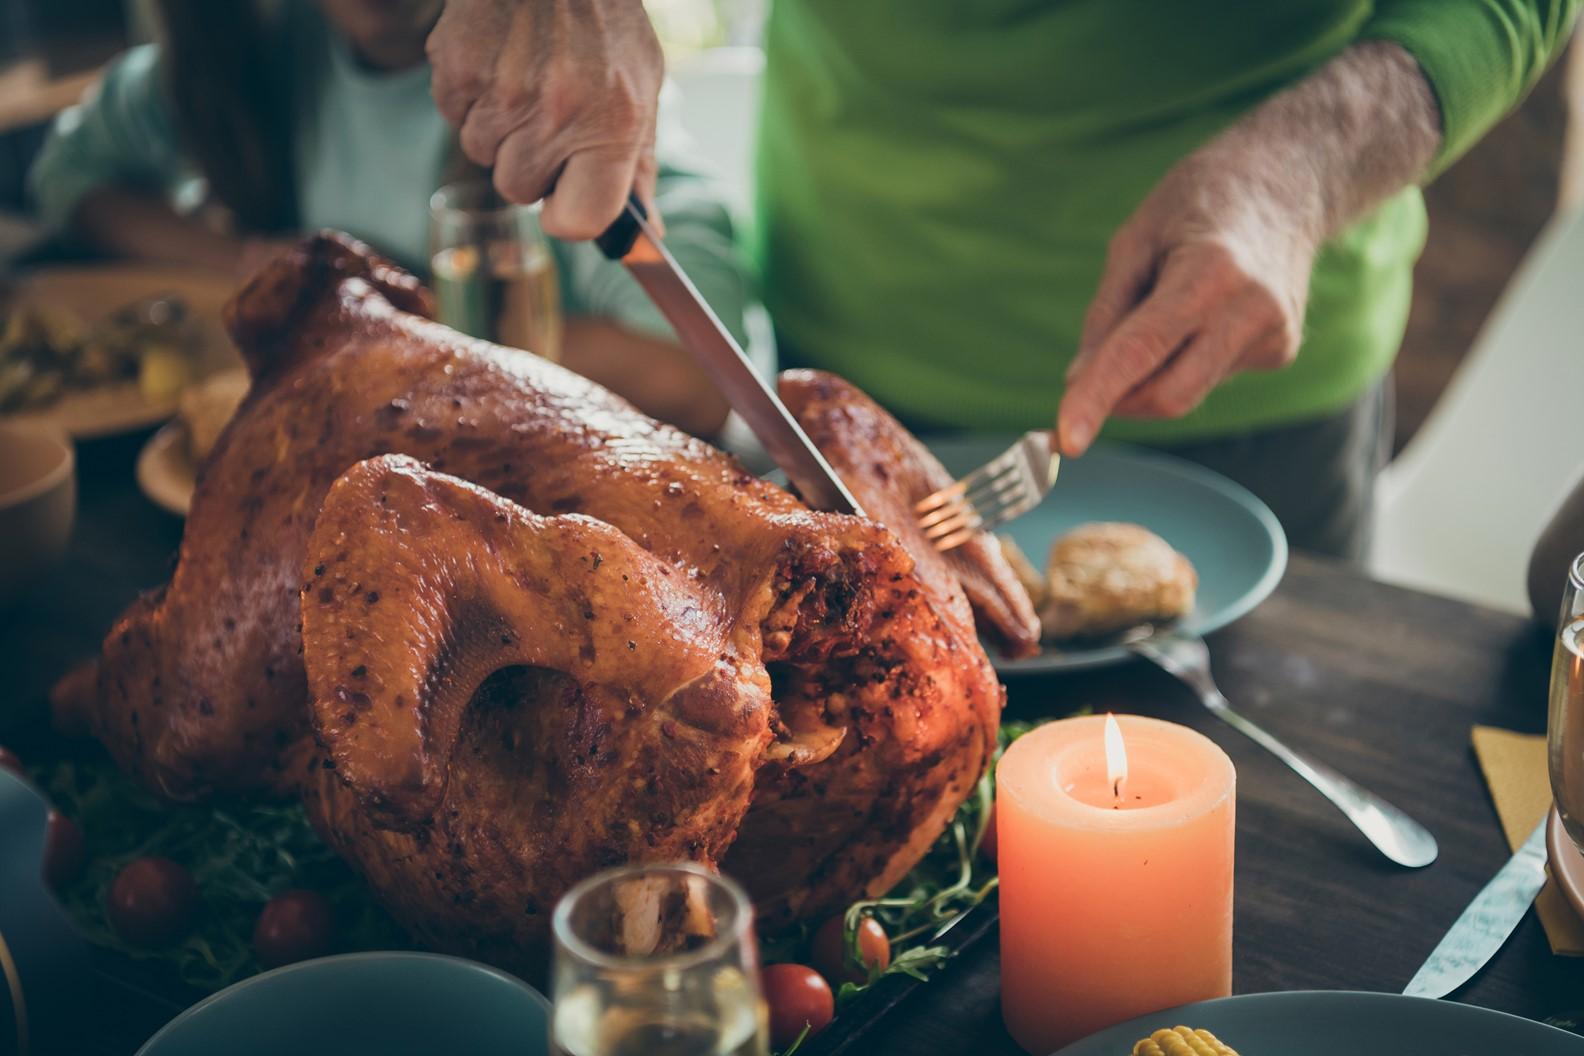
{"x":798,"y":996}
{"x":987,"y":846}
{"x":828,"y":951}
{"x":151,"y":901}
{"x":293,"y":926}
{"x":10,"y":761}
{"x":63,"y":850}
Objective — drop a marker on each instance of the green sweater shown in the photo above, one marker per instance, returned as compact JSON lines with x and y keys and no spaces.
{"x":938,"y":180}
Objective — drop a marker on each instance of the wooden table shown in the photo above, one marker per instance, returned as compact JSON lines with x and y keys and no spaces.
{"x":1382,"y":683}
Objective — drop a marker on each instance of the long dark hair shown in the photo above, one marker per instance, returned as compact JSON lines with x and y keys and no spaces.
{"x":231,"y":114}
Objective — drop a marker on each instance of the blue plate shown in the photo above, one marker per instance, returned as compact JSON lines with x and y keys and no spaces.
{"x":1331,"y":1022}
{"x":365,"y":1004}
{"x":1232,"y":538}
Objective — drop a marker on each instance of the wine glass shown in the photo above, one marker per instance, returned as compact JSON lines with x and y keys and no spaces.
{"x":1565,"y":726}
{"x":493,"y":273}
{"x":656,"y":960}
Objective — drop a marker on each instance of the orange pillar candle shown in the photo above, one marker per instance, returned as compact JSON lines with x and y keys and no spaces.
{"x":1116,"y":888}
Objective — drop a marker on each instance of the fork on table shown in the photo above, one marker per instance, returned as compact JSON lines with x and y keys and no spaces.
{"x":1004,"y":488}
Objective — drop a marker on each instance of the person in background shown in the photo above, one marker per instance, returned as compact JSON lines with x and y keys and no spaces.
{"x":320,"y":115}
{"x":1188,"y":224}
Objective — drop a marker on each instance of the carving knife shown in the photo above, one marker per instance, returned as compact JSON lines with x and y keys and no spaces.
{"x":633,"y":241}
{"x":1486,"y":923}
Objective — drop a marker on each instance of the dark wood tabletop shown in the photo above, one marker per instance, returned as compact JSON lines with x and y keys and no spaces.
{"x":1384,"y":684}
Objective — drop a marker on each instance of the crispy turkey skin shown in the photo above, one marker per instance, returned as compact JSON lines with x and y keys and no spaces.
{"x":499,"y":629}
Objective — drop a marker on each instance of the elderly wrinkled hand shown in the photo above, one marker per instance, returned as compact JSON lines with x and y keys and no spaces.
{"x":560,"y":98}
{"x":1210,"y":275}
{"x":1207,"y":278}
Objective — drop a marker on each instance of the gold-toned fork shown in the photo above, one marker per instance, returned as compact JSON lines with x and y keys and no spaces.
{"x":1006,"y":487}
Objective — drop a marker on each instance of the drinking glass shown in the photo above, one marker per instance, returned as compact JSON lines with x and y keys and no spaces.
{"x":494,"y":276}
{"x":1565,"y":726}
{"x":656,"y":960}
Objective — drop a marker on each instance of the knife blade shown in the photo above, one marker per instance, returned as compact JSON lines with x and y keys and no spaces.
{"x":632,"y":240}
{"x":1486,"y":923}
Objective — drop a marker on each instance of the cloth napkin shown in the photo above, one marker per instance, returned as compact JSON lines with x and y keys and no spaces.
{"x":1515,"y":770}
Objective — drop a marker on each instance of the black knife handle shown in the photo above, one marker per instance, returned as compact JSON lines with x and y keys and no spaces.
{"x":617,"y":240}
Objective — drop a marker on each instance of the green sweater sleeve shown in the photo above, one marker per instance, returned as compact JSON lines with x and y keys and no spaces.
{"x":1481,"y":57}
{"x":698,"y":233}
{"x":122,"y":132}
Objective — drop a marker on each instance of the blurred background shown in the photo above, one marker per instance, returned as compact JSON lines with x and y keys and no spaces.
{"x":1485,"y":213}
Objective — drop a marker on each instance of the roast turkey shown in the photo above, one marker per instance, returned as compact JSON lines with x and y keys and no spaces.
{"x":500,"y":629}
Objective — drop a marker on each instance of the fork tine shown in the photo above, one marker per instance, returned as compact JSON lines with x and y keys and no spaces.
{"x":978,"y":497}
{"x":1015,"y":506}
{"x":956,"y":539}
{"x":1004,"y":488}
{"x":955,"y":490}
{"x":997,"y":466}
{"x":989,"y":508}
{"x":972,"y":491}
{"x":967,"y":516}
{"x":985,"y":514}
{"x":936,"y":500}
{"x":969,"y":522}
{"x":972,"y":527}
{"x":949,"y":518}
{"x":942,"y":512}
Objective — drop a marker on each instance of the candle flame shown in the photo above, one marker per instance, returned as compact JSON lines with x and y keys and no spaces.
{"x":1116,"y":756}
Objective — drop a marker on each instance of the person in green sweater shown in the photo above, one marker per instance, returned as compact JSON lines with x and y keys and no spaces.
{"x":281,"y":119}
{"x":1185,"y":224}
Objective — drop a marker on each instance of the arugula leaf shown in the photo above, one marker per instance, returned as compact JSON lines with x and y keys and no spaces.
{"x":949,"y":882}
{"x":240,"y":855}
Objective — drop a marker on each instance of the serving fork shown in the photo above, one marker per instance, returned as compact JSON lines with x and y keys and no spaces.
{"x":1187,"y":658}
{"x":1004,"y":488}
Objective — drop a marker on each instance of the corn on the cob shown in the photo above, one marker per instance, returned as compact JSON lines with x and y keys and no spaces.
{"x":1182,"y":1041}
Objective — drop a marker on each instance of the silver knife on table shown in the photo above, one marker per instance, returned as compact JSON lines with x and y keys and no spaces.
{"x":633,"y":241}
{"x":1486,"y":923}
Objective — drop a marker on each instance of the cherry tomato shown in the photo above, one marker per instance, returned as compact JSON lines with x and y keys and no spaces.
{"x":829,"y":950}
{"x":987,"y":846}
{"x":152,"y":900}
{"x":63,"y":850}
{"x":9,"y":760}
{"x":293,"y":926}
{"x":798,"y":996}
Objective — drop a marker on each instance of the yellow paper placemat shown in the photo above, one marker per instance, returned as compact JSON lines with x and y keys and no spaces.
{"x":1515,"y":770}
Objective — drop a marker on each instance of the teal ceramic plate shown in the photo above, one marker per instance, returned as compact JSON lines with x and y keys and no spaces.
{"x":1334,"y":1022}
{"x":365,"y":1004}
{"x":1233,"y":540}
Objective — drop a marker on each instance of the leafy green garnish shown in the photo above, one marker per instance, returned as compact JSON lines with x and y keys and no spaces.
{"x":797,"y":1042}
{"x":240,"y":855}
{"x":933,"y":898}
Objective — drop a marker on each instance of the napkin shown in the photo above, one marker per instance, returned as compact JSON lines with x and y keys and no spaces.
{"x":1515,"y":769}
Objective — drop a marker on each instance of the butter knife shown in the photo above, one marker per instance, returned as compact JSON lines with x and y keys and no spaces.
{"x":1486,"y":923}
{"x":633,"y":241}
